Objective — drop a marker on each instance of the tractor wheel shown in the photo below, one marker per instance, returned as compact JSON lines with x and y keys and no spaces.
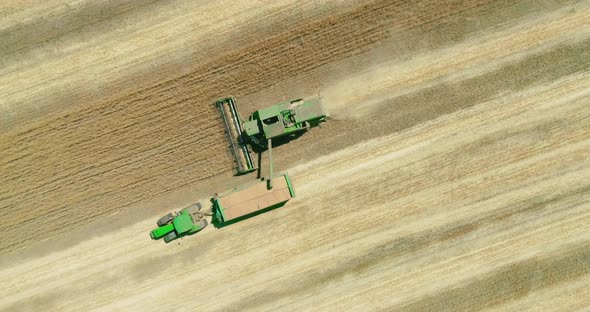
{"x":193,"y":208}
{"x":170,"y":236}
{"x":166,"y":219}
{"x":203,"y":223}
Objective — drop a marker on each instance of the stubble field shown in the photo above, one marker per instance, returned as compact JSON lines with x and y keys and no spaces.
{"x":453,"y":175}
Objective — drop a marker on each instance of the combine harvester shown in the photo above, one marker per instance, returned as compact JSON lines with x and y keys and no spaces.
{"x":282,"y":120}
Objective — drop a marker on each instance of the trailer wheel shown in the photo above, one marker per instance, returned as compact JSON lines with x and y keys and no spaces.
{"x":170,"y":236}
{"x":166,"y":219}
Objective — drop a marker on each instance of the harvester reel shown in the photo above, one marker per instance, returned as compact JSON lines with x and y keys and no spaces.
{"x":233,"y":126}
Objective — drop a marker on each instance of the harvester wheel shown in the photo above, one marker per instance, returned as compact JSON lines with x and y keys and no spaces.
{"x":169,"y":237}
{"x":166,"y":219}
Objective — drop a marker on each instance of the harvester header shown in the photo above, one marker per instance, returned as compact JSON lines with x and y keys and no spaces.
{"x":233,"y":125}
{"x":285,"y":119}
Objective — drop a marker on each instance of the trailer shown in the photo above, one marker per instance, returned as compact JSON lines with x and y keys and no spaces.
{"x":251,"y":200}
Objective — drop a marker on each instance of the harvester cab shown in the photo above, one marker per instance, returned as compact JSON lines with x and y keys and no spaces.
{"x":280,"y":120}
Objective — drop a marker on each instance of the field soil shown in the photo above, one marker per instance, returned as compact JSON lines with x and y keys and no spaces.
{"x":453,"y":174}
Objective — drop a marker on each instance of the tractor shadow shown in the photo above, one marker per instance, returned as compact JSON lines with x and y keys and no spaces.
{"x":177,"y":237}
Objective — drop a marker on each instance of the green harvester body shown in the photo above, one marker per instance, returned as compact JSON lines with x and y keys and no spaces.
{"x":282,"y":120}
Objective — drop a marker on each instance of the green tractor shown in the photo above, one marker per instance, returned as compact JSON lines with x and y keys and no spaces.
{"x":236,"y":205}
{"x":188,"y":221}
{"x":282,"y":120}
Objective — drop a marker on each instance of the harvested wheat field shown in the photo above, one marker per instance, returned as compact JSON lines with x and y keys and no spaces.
{"x":453,"y":175}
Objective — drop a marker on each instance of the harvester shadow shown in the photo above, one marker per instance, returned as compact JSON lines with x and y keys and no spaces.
{"x":259,"y":171}
{"x":276,"y":142}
